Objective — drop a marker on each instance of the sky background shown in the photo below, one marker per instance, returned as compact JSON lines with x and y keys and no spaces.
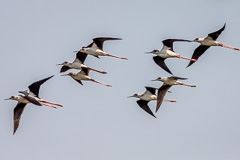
{"x":101,"y":123}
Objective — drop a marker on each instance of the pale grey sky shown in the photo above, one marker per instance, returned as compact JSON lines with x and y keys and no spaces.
{"x":101,"y":123}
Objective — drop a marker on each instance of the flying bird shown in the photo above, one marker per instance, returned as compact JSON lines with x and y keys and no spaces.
{"x":30,"y":96}
{"x":78,"y":63}
{"x":83,"y":75}
{"x":207,"y":42}
{"x":146,"y":97}
{"x":96,"y":48}
{"x":168,"y":82}
{"x":167,"y":52}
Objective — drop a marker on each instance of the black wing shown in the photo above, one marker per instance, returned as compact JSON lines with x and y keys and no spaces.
{"x":176,"y":78}
{"x":161,"y":93}
{"x":64,"y":69}
{"x":81,"y":56}
{"x":18,"y":110}
{"x":34,"y":88}
{"x":144,"y":105}
{"x":169,"y":42}
{"x":197,"y":53}
{"x":79,"y":81}
{"x":160,"y":62}
{"x":100,"y":40}
{"x":85,"y":70}
{"x":151,"y":89}
{"x":32,"y":100}
{"x":215,"y":35}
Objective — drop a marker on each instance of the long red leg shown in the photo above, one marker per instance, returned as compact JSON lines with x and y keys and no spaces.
{"x":51,"y":103}
{"x":169,"y":100}
{"x":103,"y":72}
{"x":110,"y":55}
{"x":48,"y":105}
{"x":187,"y":58}
{"x":225,"y":46}
{"x":101,"y":83}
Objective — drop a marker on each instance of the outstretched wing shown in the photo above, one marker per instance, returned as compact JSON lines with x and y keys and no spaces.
{"x":64,"y":69}
{"x":34,"y":87}
{"x":151,"y":89}
{"x":160,"y":62}
{"x":214,"y":35}
{"x":169,"y":42}
{"x":144,"y":105}
{"x":81,"y":56}
{"x":18,"y":110}
{"x":161,"y":93}
{"x":197,"y":53}
{"x":176,"y":78}
{"x":100,"y":40}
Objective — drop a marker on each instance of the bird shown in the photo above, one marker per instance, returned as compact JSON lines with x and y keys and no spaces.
{"x":207,"y":42}
{"x":29,"y":97}
{"x":146,"y":97}
{"x":168,"y":82}
{"x":78,"y":63}
{"x":96,"y":48}
{"x":83,"y":75}
{"x":167,"y":52}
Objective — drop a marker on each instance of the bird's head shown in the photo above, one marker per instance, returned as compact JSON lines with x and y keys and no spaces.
{"x":135,"y":95}
{"x":13,"y":98}
{"x":154,"y":51}
{"x":159,"y":79}
{"x":69,"y":74}
{"x":84,"y":49}
{"x":64,"y":63}
{"x":196,"y":40}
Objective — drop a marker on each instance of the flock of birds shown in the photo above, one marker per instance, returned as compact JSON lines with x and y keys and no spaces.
{"x":96,"y":49}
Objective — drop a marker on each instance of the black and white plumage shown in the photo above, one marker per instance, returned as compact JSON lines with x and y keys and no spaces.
{"x":147,"y":96}
{"x":96,"y":48}
{"x":84,"y":75}
{"x":168,"y":82}
{"x":167,"y":52}
{"x":31,"y":96}
{"x":78,"y":63}
{"x":207,"y":42}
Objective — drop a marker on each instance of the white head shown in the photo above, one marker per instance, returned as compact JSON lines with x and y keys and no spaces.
{"x":135,"y":95}
{"x":16,"y":98}
{"x":154,"y":51}
{"x":65,"y":63}
{"x":198,"y":39}
{"x":84,"y":49}
{"x":160,"y":79}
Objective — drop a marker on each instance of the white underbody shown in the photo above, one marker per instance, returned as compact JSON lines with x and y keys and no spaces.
{"x":148,"y":96}
{"x":81,"y":76}
{"x":165,"y":52}
{"x":208,"y":42}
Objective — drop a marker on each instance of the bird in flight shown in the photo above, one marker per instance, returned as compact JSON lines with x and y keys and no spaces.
{"x":168,"y":82}
{"x":167,"y":52}
{"x":207,"y":42}
{"x":30,"y":96}
{"x":146,"y":97}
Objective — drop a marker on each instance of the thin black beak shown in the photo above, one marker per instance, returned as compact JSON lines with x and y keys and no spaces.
{"x":7,"y":99}
{"x":147,"y":52}
{"x":64,"y":75}
{"x":59,"y":64}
